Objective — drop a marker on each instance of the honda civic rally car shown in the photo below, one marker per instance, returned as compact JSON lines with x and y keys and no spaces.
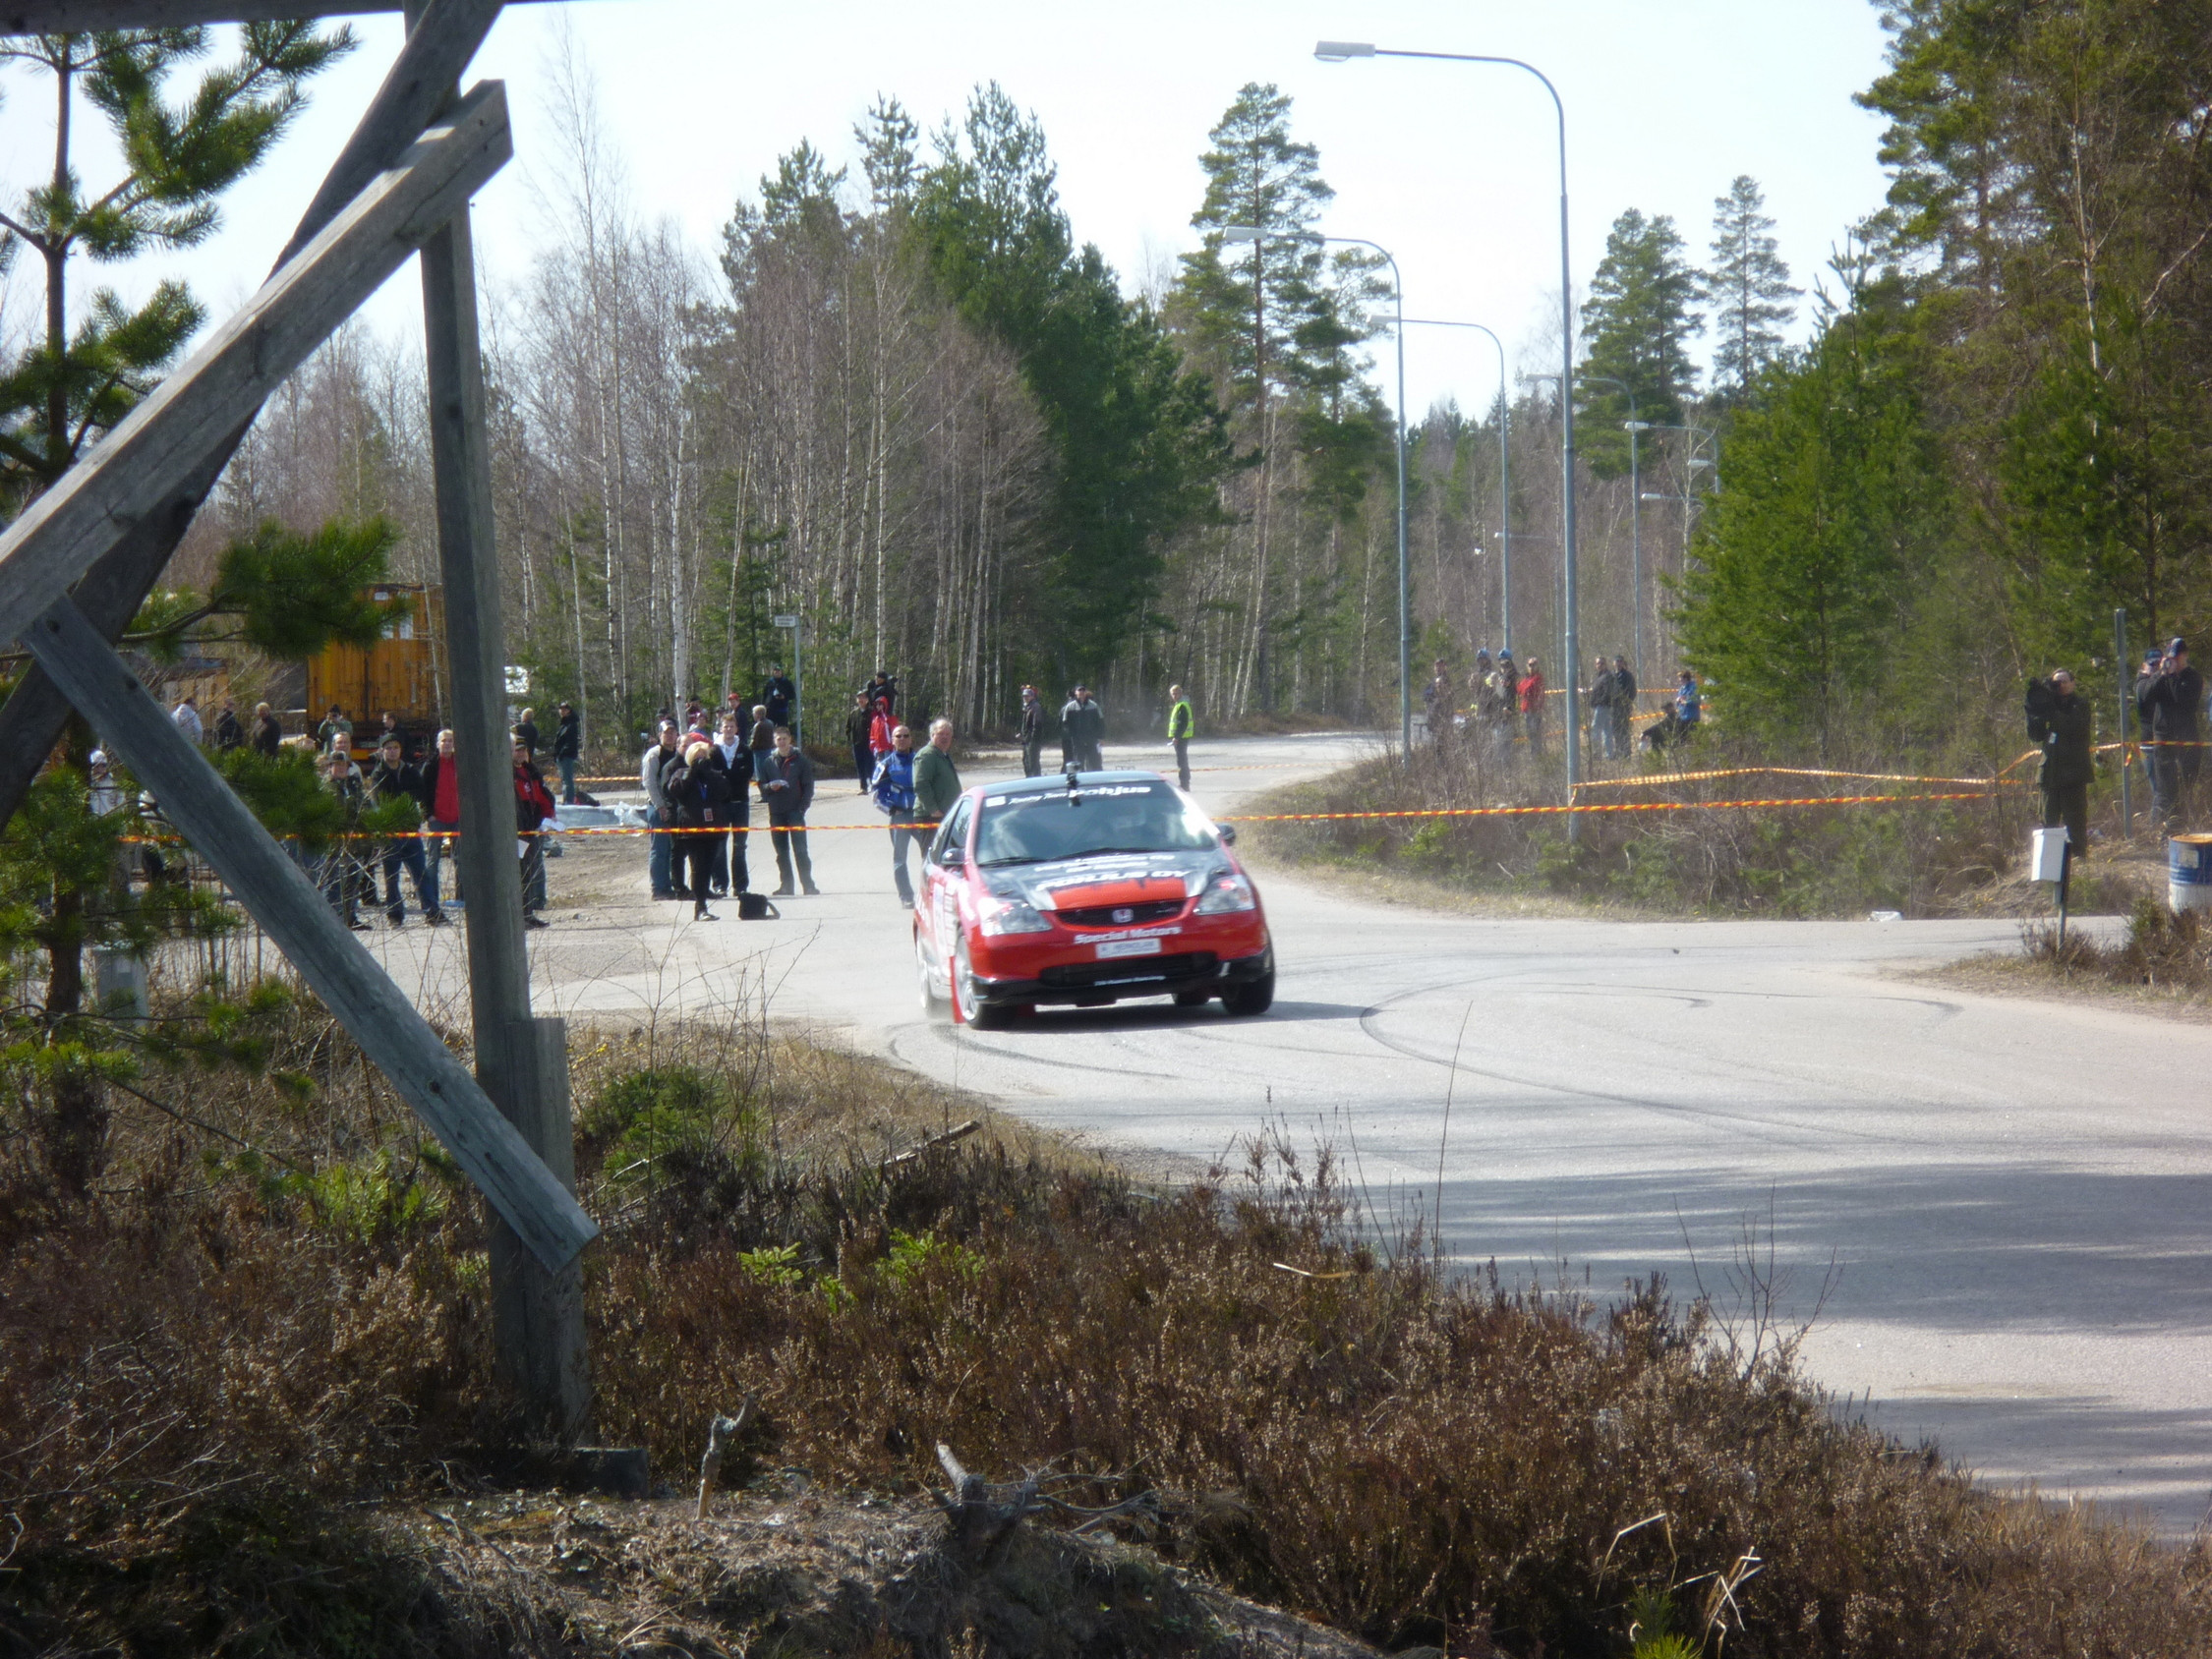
{"x":1085,"y":891}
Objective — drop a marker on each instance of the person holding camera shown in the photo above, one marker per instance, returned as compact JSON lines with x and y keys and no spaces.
{"x":2061,"y":721}
{"x":2167,"y":703}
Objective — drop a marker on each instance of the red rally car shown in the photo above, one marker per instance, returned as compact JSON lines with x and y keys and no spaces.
{"x":1086,"y":890}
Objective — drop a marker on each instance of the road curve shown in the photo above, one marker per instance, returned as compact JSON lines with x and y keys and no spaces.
{"x":1998,"y":1208}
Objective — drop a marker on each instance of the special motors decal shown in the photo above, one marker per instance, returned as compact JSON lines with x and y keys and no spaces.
{"x":1127,"y":932}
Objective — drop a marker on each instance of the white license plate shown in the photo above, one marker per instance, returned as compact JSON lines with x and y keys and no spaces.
{"x":1127,"y":947}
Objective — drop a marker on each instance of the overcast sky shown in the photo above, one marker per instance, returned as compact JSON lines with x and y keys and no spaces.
{"x":1450,"y":165}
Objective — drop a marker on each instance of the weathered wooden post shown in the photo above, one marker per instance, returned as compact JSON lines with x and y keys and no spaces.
{"x":538,"y":1316}
{"x":111,"y":520}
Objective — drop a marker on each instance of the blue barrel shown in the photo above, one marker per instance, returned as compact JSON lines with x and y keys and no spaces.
{"x":2188,"y":872}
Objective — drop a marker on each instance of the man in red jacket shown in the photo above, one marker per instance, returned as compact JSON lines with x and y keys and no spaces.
{"x":442,"y":799}
{"x":1532,"y":708}
{"x":533,"y":804}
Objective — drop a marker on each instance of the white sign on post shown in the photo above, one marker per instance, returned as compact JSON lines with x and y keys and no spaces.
{"x":798,"y":664}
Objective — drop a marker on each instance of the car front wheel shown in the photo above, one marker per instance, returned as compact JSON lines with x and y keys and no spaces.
{"x":925,"y":981}
{"x":967,"y":997}
{"x":1255,"y":996}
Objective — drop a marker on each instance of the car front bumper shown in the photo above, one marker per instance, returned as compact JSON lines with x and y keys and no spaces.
{"x":1087,"y":985}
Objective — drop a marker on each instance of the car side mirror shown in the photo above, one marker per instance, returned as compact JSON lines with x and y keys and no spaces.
{"x":953,"y":857}
{"x":1227,"y":832}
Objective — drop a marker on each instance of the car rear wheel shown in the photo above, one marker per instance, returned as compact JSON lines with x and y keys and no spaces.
{"x":968,"y":1005}
{"x":1255,"y":996}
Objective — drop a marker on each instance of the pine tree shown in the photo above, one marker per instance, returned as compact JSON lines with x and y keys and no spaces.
{"x":1748,"y":288}
{"x":69,"y":385}
{"x":1637,"y":325}
{"x":1245,"y":304}
{"x":1262,"y":316}
{"x":1811,"y":564}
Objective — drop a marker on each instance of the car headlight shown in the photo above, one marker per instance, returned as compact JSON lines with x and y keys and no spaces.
{"x":1004,"y":915}
{"x":1226,"y":892}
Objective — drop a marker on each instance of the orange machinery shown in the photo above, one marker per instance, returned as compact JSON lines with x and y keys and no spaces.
{"x":403,"y":671}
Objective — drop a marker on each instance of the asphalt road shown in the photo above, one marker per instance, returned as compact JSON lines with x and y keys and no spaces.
{"x":1998,"y":1208}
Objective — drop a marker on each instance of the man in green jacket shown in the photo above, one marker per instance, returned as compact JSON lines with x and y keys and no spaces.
{"x":2063,"y":723}
{"x":1180,"y":728}
{"x":937,"y":781}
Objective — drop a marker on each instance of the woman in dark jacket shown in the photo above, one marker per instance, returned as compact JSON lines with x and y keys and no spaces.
{"x":699,"y":791}
{"x":567,"y":746}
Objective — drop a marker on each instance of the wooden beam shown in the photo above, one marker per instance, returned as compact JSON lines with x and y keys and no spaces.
{"x":166,"y":439}
{"x":527,"y":1195}
{"x":78,"y":16}
{"x":415,"y":89}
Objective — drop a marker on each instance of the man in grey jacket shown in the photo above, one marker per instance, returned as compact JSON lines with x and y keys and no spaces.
{"x":1082,"y":730}
{"x":786,"y":785}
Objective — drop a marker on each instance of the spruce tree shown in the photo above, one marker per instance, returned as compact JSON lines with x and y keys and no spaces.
{"x":1637,"y":325}
{"x":1137,"y":438}
{"x":1748,"y":288}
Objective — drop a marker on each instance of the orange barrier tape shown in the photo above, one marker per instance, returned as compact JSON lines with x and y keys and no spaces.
{"x":1613,"y":806}
{"x":1238,"y":817}
{"x":1782,"y":772}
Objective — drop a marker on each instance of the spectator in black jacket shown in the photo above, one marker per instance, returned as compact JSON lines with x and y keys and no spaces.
{"x":2169,"y":702}
{"x":858,"y":721}
{"x":1032,"y":731}
{"x":730,"y":874}
{"x":268,"y":736}
{"x":786,"y":785}
{"x":526,"y":733}
{"x":567,"y":748}
{"x":392,"y":780}
{"x":229,"y":734}
{"x":1624,"y":709}
{"x":698,"y":793}
{"x":2061,"y":721}
{"x":779,"y":697}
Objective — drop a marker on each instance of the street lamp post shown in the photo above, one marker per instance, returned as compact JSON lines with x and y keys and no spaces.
{"x":1254,"y":235}
{"x":1505,"y":477}
{"x":1337,"y":51}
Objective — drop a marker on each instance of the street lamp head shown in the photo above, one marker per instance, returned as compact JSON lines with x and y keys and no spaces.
{"x":1238,"y":233}
{"x":1636,"y":425}
{"x":1336,"y":51}
{"x":1696,"y":464}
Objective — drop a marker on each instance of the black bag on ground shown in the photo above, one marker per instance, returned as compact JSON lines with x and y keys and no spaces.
{"x":754,"y":907}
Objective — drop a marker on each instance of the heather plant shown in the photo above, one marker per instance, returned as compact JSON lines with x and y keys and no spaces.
{"x":257,"y":1341}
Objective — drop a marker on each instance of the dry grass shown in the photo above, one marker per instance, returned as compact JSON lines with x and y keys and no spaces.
{"x":2166,"y":956}
{"x":1937,"y":858}
{"x":267,"y":1323}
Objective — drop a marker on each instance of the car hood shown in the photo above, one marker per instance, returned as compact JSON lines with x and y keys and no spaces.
{"x":1078,"y":884}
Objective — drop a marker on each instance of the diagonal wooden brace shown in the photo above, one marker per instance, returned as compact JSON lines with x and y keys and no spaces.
{"x":166,"y":439}
{"x":415,"y":89}
{"x":53,"y":17}
{"x":352,"y":985}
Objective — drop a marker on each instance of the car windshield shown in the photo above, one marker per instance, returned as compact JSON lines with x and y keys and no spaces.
{"x":1038,"y":828}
